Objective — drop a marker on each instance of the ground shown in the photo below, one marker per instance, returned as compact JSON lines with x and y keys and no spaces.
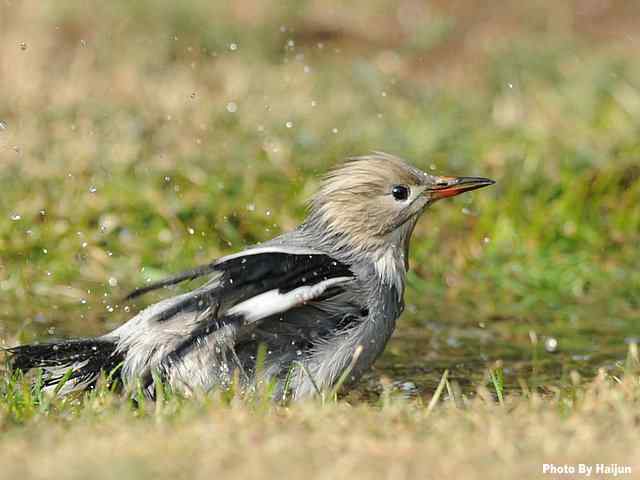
{"x":140,"y":139}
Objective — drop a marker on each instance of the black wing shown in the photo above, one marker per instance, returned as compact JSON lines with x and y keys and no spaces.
{"x":255,"y":284}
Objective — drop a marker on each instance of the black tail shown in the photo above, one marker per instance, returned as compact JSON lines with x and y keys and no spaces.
{"x":78,"y":362}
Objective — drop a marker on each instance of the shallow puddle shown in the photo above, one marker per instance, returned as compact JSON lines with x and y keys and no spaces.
{"x":419,"y":352}
{"x":416,"y":358}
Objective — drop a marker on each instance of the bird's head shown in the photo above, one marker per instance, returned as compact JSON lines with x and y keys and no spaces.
{"x":374,"y":201}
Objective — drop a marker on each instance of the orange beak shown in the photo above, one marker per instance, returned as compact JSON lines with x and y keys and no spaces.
{"x":451,"y":186}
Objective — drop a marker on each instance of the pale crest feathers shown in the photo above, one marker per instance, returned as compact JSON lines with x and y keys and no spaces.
{"x":352,"y":200}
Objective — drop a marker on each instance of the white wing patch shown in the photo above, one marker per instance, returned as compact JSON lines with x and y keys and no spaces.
{"x":272,"y":302}
{"x":269,"y":249}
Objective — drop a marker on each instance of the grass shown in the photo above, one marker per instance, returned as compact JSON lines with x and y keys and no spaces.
{"x":105,"y":435}
{"x":141,"y":139}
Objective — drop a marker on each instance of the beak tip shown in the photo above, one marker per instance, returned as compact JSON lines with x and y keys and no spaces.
{"x":478,"y":181}
{"x":456,"y":185}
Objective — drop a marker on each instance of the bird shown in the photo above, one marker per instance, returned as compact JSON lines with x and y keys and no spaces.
{"x":298,"y":312}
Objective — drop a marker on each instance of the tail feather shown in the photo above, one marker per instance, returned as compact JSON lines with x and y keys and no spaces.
{"x":78,"y":362}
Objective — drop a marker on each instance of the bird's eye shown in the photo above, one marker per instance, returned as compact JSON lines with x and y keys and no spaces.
{"x":400,"y":192}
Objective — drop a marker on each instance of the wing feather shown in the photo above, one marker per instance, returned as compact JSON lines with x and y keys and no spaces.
{"x":252,"y":286}
{"x":192,"y":274}
{"x":243,"y":291}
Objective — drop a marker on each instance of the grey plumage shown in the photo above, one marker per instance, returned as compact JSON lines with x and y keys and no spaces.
{"x":312,"y":296}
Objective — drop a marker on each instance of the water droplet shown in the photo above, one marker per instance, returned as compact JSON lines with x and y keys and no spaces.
{"x":334,"y":130}
{"x":289,"y":124}
{"x":45,"y":251}
{"x":486,"y":240}
{"x":193,"y":95}
{"x":83,"y":301}
{"x":84,"y":244}
{"x":15,"y":217}
{"x":383,"y":93}
{"x":23,"y":45}
{"x":93,"y":189}
{"x":113,"y":281}
{"x":550,"y":344}
{"x":268,"y":213}
{"x":127,"y":308}
{"x":510,"y":85}
{"x":191,"y":231}
{"x":233,"y":47}
{"x":232,"y":107}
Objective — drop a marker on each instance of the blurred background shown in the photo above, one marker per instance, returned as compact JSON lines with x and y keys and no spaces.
{"x":141,"y":138}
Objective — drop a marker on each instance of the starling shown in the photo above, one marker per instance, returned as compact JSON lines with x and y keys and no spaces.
{"x":320,"y":301}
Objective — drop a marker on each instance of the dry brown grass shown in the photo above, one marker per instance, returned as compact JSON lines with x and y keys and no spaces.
{"x":400,"y":440}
